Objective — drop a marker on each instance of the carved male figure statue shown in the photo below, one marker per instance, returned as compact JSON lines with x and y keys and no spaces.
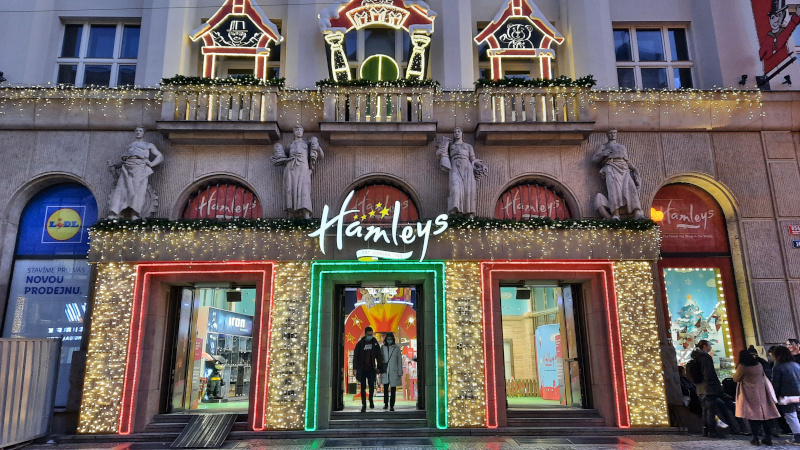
{"x":622,"y":180}
{"x":458,"y":159}
{"x":132,"y":174}
{"x":300,"y":161}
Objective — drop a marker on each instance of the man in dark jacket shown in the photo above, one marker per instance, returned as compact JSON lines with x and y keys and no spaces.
{"x":709,"y":391}
{"x":366,"y":361}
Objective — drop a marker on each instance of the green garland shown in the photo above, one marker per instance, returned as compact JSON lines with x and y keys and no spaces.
{"x":244,"y":80}
{"x":403,"y":82}
{"x":313,"y":224}
{"x":563,"y":81}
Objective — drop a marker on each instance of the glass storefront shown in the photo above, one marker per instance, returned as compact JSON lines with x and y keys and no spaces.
{"x":540,"y":346}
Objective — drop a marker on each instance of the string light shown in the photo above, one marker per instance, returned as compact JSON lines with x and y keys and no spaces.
{"x":286,"y":398}
{"x":466,"y":388}
{"x":108,"y":346}
{"x":644,"y":372}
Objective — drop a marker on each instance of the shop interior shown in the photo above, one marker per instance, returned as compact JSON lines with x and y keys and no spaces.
{"x":213,"y":349}
{"x":385,"y":309}
{"x":541,"y":346}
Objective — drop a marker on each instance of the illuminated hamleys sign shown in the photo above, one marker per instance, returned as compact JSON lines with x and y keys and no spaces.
{"x":378,"y":234}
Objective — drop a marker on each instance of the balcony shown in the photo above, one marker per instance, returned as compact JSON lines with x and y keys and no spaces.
{"x":214,"y":115}
{"x":387,"y":116}
{"x":540,"y":116}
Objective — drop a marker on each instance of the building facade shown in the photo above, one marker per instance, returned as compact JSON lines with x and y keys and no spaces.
{"x":281,"y":217}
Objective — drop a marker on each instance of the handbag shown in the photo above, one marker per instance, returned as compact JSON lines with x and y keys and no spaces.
{"x":385,"y":365}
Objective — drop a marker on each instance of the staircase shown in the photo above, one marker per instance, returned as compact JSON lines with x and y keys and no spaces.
{"x":554,"y":418}
{"x":378,"y":419}
{"x":167,"y":427}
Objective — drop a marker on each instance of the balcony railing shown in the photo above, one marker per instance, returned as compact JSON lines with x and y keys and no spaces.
{"x":372,"y":105}
{"x":220,"y":103}
{"x":542,"y":105}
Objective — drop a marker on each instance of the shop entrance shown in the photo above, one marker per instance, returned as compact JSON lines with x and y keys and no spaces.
{"x":391,"y":311}
{"x":210,"y":361}
{"x":543,"y":348}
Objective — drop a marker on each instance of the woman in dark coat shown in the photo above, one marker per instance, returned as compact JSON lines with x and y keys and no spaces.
{"x":786,"y":381}
{"x":755,"y":398}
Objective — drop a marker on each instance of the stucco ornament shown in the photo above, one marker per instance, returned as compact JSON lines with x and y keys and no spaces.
{"x":622,"y":180}
{"x":457,"y":158}
{"x":133,"y":197}
{"x":299,"y":161}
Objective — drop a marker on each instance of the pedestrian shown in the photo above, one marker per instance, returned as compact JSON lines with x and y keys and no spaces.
{"x":709,"y":389}
{"x":392,"y":370}
{"x":689,"y":391}
{"x":794,"y":346}
{"x":786,"y":382}
{"x":755,"y":398}
{"x":764,"y":364}
{"x":365,"y":357}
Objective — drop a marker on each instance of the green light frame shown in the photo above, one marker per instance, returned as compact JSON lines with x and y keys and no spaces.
{"x":324,"y":269}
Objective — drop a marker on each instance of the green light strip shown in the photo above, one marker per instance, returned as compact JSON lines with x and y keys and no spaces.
{"x":318,"y":274}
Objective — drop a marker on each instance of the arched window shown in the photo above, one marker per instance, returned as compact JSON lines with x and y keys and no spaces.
{"x":222,"y":200}
{"x":529,"y":200}
{"x":697,"y":278}
{"x":375,"y":203}
{"x":50,"y":281}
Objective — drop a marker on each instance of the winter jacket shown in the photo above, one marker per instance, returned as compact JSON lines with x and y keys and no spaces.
{"x":710,"y":384}
{"x":366,"y":355}
{"x":755,"y":399}
{"x":393,"y":356}
{"x":786,"y":379}
{"x":767,"y":366}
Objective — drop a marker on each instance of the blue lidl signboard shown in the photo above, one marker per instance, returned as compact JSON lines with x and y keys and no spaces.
{"x":56,"y":222}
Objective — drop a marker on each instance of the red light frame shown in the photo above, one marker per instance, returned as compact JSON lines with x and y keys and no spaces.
{"x":150,"y":274}
{"x":595,"y":271}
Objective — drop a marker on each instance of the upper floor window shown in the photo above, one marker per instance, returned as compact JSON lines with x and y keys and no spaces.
{"x":653,"y":58}
{"x":98,"y":54}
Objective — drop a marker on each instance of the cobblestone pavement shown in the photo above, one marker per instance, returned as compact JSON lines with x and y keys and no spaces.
{"x":659,"y":442}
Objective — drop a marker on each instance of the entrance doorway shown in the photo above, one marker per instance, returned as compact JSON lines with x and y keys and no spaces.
{"x":543,"y":345}
{"x":386,"y":309}
{"x":210,"y":362}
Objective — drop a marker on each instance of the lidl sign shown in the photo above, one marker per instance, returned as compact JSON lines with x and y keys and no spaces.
{"x":63,"y":224}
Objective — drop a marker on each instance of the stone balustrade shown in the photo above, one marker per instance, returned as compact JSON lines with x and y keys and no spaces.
{"x":373,"y":105}
{"x":529,"y":105}
{"x":219,"y":103}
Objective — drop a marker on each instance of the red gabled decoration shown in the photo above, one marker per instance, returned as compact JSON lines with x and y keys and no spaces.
{"x":257,"y":46}
{"x":520,"y":9}
{"x":379,"y":12}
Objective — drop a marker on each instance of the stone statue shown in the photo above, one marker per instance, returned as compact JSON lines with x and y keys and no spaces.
{"x":458,"y":159}
{"x":300,"y":161}
{"x":132,"y":196}
{"x":622,"y":180}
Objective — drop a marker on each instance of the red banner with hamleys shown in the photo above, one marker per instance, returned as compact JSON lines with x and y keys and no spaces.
{"x":691,"y":221}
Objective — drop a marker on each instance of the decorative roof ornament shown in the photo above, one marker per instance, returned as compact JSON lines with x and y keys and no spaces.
{"x":520,"y":30}
{"x":413,"y":16}
{"x":238,"y":28}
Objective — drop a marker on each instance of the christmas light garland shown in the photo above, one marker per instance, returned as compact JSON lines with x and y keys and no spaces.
{"x":243,"y":80}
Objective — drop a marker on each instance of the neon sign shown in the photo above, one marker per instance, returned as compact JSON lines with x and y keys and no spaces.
{"x":378,"y":234}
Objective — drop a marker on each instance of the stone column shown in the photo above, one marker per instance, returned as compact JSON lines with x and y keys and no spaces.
{"x":589,"y":46}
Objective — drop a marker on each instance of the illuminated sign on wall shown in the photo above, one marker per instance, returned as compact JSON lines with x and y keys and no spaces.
{"x":238,"y":28}
{"x":520,"y":31}
{"x":412,"y":16}
{"x":223,"y":201}
{"x":394,"y":236}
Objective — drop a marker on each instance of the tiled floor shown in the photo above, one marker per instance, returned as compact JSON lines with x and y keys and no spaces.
{"x":666,"y":442}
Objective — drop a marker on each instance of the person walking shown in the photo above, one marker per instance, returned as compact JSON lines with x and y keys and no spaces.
{"x":709,"y":390}
{"x":365,"y":357}
{"x":755,"y":398}
{"x":786,"y":382}
{"x":392,"y":370}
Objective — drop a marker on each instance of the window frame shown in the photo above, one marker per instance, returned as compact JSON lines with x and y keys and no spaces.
{"x":81,"y":61}
{"x":668,"y":63}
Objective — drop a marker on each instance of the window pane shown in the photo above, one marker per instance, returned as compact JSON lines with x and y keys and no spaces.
{"x":126,"y":75}
{"x":406,"y":46}
{"x":622,"y":45}
{"x":651,"y":48}
{"x":379,"y":41}
{"x":517,"y":74}
{"x":97,"y":75}
{"x":626,"y":78}
{"x":72,"y":41}
{"x":683,"y":78}
{"x":677,"y":42}
{"x":654,"y":78}
{"x":273,"y":72}
{"x":485,"y":73}
{"x":101,"y":41}
{"x":67,"y":73}
{"x":351,"y":45}
{"x":130,"y":42}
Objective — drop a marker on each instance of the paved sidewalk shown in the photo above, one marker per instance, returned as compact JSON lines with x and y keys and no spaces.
{"x":665,"y":442}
